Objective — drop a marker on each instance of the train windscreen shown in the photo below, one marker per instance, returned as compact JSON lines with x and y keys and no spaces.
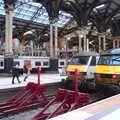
{"x":109,"y":60}
{"x":80,"y":60}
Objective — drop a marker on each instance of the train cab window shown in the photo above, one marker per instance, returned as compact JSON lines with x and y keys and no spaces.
{"x":62,"y":63}
{"x":37,"y":63}
{"x":109,"y":60}
{"x":1,"y":63}
{"x":45,"y":63}
{"x":93,"y":61}
{"x":80,"y":60}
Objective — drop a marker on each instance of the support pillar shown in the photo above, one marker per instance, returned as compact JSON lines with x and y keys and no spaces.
{"x":66,"y":49}
{"x":85,"y":42}
{"x":56,"y":41}
{"x":51,"y":40}
{"x":118,"y":43}
{"x":31,"y":45}
{"x":6,"y":34}
{"x":8,"y":59}
{"x":80,"y":42}
{"x":9,"y":30}
{"x":104,"y":42}
{"x":87,"y":45}
{"x":113,"y":43}
{"x":99,"y":39}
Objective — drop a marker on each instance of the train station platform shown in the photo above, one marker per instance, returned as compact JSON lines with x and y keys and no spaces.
{"x":107,"y":109}
{"x":6,"y":81}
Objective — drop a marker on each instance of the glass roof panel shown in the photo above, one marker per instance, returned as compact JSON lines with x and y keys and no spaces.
{"x":31,"y":11}
{"x":2,"y":11}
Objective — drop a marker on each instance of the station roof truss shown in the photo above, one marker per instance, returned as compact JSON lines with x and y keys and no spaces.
{"x":70,"y":15}
{"x":31,"y":15}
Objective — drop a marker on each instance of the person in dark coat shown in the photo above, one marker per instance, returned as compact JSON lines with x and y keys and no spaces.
{"x":15,"y":73}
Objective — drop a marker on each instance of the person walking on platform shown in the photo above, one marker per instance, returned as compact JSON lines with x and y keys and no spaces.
{"x":26,"y":72}
{"x":15,"y":73}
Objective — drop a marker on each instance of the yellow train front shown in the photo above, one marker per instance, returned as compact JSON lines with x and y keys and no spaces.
{"x":85,"y":63}
{"x":108,"y":68}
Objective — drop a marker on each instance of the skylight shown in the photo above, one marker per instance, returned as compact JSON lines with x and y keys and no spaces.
{"x":28,"y":10}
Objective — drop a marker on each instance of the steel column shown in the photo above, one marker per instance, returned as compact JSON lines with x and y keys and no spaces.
{"x":118,"y":43}
{"x":114,"y":43}
{"x":31,"y":45}
{"x":56,"y":41}
{"x":99,"y":39}
{"x":80,"y":42}
{"x":66,"y":49}
{"x":87,"y":45}
{"x":104,"y":42}
{"x":85,"y":42}
{"x":6,"y":34}
{"x":51,"y":40}
{"x":9,"y":30}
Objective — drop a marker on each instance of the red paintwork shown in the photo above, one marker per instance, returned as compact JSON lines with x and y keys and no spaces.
{"x":68,"y":100}
{"x":32,"y":96}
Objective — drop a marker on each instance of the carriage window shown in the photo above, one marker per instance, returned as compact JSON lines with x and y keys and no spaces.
{"x":38,"y":63}
{"x":45,"y":63}
{"x":1,"y":63}
{"x":93,"y":61}
{"x":61,"y":63}
{"x":16,"y":63}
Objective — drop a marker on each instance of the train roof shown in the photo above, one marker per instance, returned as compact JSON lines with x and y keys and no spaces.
{"x":85,"y":53}
{"x":111,"y":51}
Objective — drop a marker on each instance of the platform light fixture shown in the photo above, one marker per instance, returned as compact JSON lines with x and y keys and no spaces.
{"x":100,"y":6}
{"x":68,"y":38}
{"x":81,"y":35}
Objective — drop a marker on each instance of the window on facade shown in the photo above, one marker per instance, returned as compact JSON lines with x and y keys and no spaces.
{"x":45,"y":63}
{"x":37,"y":63}
{"x":62,"y":63}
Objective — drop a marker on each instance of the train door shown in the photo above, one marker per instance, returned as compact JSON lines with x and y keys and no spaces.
{"x":91,"y":67}
{"x":62,"y":64}
{"x":27,"y":63}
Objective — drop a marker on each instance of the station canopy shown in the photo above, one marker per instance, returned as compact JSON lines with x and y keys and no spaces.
{"x":35,"y":12}
{"x":94,"y":16}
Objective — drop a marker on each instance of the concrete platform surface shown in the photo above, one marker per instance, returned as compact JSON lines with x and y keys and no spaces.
{"x":106,"y":109}
{"x":6,"y":82}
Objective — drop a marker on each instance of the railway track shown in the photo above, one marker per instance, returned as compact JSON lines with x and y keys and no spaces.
{"x":5,"y":94}
{"x":51,"y":89}
{"x":8,"y":93}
